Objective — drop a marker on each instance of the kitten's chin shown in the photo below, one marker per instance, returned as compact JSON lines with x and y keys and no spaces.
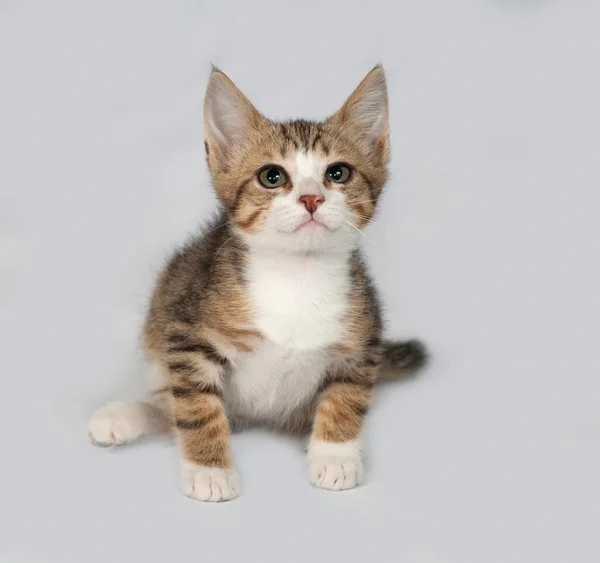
{"x":311,"y":225}
{"x":307,"y":236}
{"x":313,"y":238}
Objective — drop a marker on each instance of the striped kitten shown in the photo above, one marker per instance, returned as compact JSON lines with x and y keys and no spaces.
{"x":270,"y":316}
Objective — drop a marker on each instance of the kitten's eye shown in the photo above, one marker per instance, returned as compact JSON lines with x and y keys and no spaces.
{"x":272,"y":177}
{"x":338,"y":173}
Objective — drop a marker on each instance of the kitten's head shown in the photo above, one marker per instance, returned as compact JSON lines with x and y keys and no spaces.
{"x":298,"y":185}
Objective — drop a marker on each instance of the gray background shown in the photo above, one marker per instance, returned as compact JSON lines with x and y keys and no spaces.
{"x":486,"y":247}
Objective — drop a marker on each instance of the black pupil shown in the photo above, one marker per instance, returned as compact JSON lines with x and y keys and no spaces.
{"x":273,"y":176}
{"x":336,"y":172}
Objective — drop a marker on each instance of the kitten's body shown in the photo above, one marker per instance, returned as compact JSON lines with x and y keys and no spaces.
{"x":293,"y":317}
{"x":270,"y":317}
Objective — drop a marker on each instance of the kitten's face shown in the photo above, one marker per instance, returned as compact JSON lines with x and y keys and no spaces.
{"x":298,"y":186}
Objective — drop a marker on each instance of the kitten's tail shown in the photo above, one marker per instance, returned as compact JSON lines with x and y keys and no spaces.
{"x":402,"y":359}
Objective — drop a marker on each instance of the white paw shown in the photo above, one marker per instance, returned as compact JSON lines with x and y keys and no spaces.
{"x":211,"y":484}
{"x":117,"y":423}
{"x":334,"y":466}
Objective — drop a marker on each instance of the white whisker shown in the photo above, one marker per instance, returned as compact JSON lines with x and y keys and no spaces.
{"x":351,"y":201}
{"x":360,"y":232}
{"x":204,"y":233}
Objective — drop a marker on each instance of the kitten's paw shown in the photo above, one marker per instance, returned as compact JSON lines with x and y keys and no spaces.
{"x":334,"y":466}
{"x":210,"y":484}
{"x":117,"y":423}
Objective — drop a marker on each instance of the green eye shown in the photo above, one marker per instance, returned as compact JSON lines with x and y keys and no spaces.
{"x":338,"y":173}
{"x":272,"y":177}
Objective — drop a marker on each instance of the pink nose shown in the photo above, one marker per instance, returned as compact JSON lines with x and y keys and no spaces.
{"x":311,"y":202}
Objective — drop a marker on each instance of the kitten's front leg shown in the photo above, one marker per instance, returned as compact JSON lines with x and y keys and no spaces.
{"x":334,"y":453}
{"x":202,"y":427}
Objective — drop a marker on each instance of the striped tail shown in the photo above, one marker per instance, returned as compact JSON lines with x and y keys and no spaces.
{"x":402,"y":359}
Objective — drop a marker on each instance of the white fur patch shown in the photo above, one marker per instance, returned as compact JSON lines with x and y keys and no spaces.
{"x":299,"y":304}
{"x":308,"y":167}
{"x":209,"y":484}
{"x":118,"y":423}
{"x":269,"y":383}
{"x":335,"y":466}
{"x":299,"y":300}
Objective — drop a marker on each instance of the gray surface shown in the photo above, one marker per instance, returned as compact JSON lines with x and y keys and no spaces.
{"x":486,"y":246}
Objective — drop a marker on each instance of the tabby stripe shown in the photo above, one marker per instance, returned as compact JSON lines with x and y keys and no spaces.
{"x":191,"y":424}
{"x":288,"y":136}
{"x":359,"y":410}
{"x":239,"y":192}
{"x":177,"y":338}
{"x":371,"y":190}
{"x":315,"y":141}
{"x":186,"y":348}
{"x":369,"y":183}
{"x":181,"y":391}
{"x":200,"y":388}
{"x":248,"y":222}
{"x":181,"y":367}
{"x":209,"y":352}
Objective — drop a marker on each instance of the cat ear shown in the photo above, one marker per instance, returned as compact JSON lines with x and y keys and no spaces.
{"x":366,"y":110}
{"x":228,"y":118}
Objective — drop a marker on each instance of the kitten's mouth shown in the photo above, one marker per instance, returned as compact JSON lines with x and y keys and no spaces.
{"x":312,"y":223}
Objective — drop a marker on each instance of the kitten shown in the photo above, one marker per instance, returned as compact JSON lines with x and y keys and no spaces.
{"x":270,"y":316}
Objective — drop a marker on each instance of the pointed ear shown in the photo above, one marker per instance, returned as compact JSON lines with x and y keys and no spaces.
{"x":366,"y":111}
{"x":228,"y":118}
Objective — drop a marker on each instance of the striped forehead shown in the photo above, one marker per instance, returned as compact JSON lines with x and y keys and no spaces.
{"x":303,"y":135}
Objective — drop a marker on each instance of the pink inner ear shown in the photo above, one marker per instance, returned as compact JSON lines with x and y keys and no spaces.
{"x":228,"y":115}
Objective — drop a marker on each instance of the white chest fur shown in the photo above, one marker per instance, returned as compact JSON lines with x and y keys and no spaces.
{"x":299,"y":301}
{"x":299,"y":304}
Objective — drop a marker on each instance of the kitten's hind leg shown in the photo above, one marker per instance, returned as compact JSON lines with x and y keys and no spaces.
{"x":118,"y":423}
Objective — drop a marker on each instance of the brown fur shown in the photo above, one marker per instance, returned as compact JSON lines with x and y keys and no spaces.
{"x":342,"y":408}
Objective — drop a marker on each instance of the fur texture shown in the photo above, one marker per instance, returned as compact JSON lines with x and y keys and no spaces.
{"x":270,"y":316}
